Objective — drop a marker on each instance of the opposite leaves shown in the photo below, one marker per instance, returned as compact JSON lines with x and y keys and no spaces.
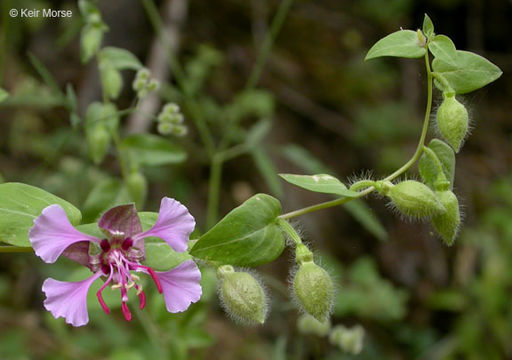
{"x":321,"y":183}
{"x":249,"y":235}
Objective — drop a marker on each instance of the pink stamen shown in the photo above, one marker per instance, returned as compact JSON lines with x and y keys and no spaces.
{"x":142,"y":299}
{"x":155,"y":278}
{"x":100,"y":297}
{"x":126,"y":311}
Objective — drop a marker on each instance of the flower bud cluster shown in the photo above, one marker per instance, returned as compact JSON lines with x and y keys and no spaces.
{"x":170,"y":121}
{"x":348,"y":339}
{"x":144,"y":84}
{"x":242,"y":295}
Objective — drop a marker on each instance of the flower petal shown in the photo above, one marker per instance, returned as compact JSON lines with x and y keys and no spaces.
{"x":69,"y":299}
{"x":52,"y":233}
{"x":174,"y":225}
{"x":180,"y":286}
{"x":121,"y":219}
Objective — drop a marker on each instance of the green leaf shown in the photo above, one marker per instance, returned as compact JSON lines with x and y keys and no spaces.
{"x":119,"y":59}
{"x":428,"y":168}
{"x":153,"y":150}
{"x":3,"y":95}
{"x":402,"y":43}
{"x":20,"y":204}
{"x":463,"y":70}
{"x":257,"y":133}
{"x":45,"y":74}
{"x":428,"y":26}
{"x":321,"y":183}
{"x":248,"y":236}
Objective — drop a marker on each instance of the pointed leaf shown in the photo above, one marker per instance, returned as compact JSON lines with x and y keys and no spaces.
{"x":248,"y":236}
{"x":428,"y":167}
{"x":402,"y":43}
{"x":20,"y":204}
{"x":321,"y":183}
{"x":465,"y":71}
{"x":428,"y":26}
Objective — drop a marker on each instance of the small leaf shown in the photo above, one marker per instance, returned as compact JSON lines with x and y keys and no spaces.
{"x":119,"y":59}
{"x":20,"y":205}
{"x":446,"y":155}
{"x":248,"y":236}
{"x":429,"y":169}
{"x":321,"y":183}
{"x":3,"y":95}
{"x":465,"y":71}
{"x":153,"y":150}
{"x":402,"y":43}
{"x":428,"y":26}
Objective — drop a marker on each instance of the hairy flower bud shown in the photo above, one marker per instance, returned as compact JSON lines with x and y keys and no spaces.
{"x":447,"y":223}
{"x":91,"y":38}
{"x":452,"y":121}
{"x":415,"y":199}
{"x":348,"y":339}
{"x":308,"y":325}
{"x":242,"y":296}
{"x":314,"y":290}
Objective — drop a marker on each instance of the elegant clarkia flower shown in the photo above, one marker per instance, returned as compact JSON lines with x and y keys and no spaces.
{"x":116,"y":258}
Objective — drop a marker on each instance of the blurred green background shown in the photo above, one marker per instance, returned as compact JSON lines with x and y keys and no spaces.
{"x":330,"y":112}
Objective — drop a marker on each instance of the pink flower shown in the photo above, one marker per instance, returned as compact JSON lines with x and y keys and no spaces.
{"x":120,"y":254}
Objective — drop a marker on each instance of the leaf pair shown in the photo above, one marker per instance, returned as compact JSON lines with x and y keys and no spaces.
{"x":463,"y":71}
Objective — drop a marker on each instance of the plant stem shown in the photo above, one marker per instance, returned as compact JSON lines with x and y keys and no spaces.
{"x":400,"y":171}
{"x":15,"y":249}
{"x":421,"y":143}
{"x":214,"y":191}
{"x":270,"y":37}
{"x":288,"y":229}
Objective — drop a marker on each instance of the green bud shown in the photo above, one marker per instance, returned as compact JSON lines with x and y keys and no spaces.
{"x":242,"y":296}
{"x":153,"y":85}
{"x":165,"y":128}
{"x":137,"y":187}
{"x":142,"y":74}
{"x":348,"y":339}
{"x":452,"y":121}
{"x":447,"y":223}
{"x":139,"y":84}
{"x":179,"y":130}
{"x":171,"y":108}
{"x":308,"y":325}
{"x":314,"y":290}
{"x":177,"y":119}
{"x":415,"y":199}
{"x":91,"y":38}
{"x":111,"y":82}
{"x":98,"y":141}
{"x":164,"y":117}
